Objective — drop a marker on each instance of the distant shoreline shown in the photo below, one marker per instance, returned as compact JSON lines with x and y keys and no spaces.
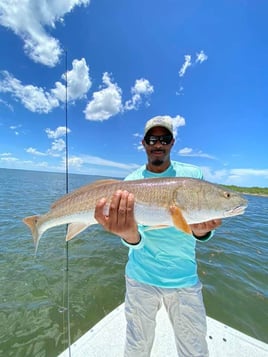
{"x":255,"y":194}
{"x":256,"y":191}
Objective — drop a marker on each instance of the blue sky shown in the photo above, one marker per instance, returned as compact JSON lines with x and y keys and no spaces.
{"x":203,"y":63}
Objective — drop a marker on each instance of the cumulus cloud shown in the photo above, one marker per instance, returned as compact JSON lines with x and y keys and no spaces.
{"x":36,"y":99}
{"x":78,"y":82}
{"x":74,"y":162}
{"x":59,"y":132}
{"x":106,"y":102}
{"x":141,"y":88}
{"x":31,"y":19}
{"x":57,"y":146}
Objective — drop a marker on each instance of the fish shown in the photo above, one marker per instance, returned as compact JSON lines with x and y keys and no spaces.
{"x":158,"y":203}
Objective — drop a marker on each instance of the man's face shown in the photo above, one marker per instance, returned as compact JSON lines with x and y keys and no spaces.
{"x":158,"y":154}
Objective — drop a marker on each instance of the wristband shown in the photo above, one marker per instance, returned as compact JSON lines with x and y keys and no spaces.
{"x":133,"y":243}
{"x":204,"y":237}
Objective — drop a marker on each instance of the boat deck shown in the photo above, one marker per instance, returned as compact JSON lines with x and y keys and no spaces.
{"x":106,"y":339}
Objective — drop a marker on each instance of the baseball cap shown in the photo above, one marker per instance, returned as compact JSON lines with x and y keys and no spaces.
{"x":163,"y":121}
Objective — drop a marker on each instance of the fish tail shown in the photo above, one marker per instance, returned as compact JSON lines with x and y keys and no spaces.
{"x":31,"y":222}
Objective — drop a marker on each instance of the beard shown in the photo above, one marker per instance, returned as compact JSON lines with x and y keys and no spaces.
{"x":157,"y":162}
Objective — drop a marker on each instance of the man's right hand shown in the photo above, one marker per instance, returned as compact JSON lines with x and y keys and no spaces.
{"x":120,"y":219}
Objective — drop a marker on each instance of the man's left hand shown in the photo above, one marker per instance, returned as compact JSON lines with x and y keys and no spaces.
{"x":201,"y":229}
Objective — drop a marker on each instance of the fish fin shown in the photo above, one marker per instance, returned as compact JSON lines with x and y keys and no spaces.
{"x":178,"y":220}
{"x":74,"y":229}
{"x":31,"y":222}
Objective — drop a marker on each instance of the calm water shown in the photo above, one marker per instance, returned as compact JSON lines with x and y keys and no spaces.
{"x":33,"y":290}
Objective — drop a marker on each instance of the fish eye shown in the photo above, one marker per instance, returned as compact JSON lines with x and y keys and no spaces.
{"x":227,"y":194}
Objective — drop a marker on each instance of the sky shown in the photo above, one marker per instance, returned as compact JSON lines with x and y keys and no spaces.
{"x":202,"y":63}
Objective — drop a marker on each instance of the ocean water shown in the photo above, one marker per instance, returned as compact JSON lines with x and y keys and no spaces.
{"x":233,"y":268}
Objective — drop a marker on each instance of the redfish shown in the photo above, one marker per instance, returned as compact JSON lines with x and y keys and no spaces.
{"x":159,"y":202}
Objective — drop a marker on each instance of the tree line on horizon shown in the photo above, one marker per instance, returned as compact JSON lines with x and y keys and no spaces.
{"x":249,"y":190}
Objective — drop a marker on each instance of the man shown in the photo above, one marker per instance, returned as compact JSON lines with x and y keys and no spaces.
{"x":162,"y":265}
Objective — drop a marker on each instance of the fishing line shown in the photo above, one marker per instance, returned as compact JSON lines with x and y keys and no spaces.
{"x":66,"y":293}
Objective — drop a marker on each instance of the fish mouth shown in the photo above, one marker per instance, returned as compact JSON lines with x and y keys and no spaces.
{"x":235,"y":211}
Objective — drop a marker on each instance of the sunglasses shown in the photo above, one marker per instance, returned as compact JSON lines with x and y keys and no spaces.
{"x":153,"y":139}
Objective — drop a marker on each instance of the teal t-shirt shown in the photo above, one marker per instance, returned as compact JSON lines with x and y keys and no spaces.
{"x":164,"y":257}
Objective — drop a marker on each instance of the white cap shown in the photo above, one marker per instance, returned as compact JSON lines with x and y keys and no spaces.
{"x":163,"y":121}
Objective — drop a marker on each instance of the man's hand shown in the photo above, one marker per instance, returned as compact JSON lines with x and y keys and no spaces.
{"x":201,"y":229}
{"x":120,"y":219}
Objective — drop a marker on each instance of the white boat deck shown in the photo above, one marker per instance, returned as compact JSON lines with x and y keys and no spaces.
{"x":106,"y":339}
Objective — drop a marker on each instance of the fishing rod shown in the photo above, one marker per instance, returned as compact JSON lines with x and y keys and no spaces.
{"x":66,"y":280}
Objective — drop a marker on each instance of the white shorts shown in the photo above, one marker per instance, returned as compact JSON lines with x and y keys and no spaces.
{"x":186,"y":312}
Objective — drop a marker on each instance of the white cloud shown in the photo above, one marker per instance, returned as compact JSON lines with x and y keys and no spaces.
{"x":36,"y":99}
{"x":178,"y":121}
{"x":57,"y":146}
{"x":106,"y":102}
{"x":185,"y":151}
{"x":33,"y":151}
{"x":201,"y":57}
{"x":74,"y":162}
{"x":31,"y":19}
{"x":141,"y":88}
{"x":187,"y":63}
{"x":190,"y":152}
{"x":79,"y":82}
{"x":218,"y":176}
{"x":15,"y":128}
{"x":59,"y":132}
{"x":95,"y":160}
{"x":240,"y":177}
{"x":250,"y":172}
{"x":8,"y":159}
{"x":6,"y":154}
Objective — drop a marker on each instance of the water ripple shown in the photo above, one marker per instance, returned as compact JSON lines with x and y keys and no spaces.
{"x":232,"y":267}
